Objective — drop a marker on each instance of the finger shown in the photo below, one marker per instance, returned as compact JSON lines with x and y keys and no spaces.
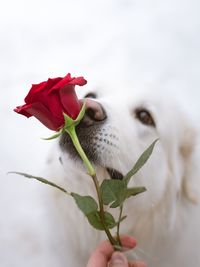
{"x":101,"y":256}
{"x":137,"y":264}
{"x":118,"y":260}
{"x":128,"y":242}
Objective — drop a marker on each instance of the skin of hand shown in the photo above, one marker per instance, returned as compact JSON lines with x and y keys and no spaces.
{"x":104,"y":255}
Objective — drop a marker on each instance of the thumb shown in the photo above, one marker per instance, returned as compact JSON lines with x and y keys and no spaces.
{"x":118,"y":260}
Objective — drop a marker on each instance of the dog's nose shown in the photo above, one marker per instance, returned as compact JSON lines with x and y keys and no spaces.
{"x":94,"y":113}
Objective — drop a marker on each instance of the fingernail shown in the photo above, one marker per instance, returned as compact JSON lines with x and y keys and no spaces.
{"x":118,"y":260}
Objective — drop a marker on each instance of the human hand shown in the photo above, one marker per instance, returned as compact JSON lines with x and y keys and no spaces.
{"x":104,"y":255}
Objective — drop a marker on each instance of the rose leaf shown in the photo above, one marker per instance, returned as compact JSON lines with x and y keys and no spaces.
{"x":133,"y":191}
{"x":95,"y":220}
{"x":140,"y":162}
{"x":113,"y":191}
{"x":42,"y":180}
{"x":85,"y":203}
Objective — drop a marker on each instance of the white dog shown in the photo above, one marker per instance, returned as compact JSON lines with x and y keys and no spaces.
{"x":117,"y":128}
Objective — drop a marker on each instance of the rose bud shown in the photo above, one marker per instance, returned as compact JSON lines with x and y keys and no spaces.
{"x":49,"y":100}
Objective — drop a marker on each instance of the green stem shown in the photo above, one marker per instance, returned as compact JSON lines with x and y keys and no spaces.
{"x":72,"y":132}
{"x":101,"y":210}
{"x":118,"y":225}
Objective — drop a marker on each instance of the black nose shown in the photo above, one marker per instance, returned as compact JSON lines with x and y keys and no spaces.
{"x":94,"y":114}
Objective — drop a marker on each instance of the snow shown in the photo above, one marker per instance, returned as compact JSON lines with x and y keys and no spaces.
{"x":120,"y":41}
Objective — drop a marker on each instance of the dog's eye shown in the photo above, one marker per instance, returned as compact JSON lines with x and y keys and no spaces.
{"x":91,"y":95}
{"x":145,"y":117}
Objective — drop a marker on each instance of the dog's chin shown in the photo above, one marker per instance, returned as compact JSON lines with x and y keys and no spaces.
{"x":93,"y":149}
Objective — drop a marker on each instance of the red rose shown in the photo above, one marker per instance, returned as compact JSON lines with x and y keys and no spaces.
{"x":47,"y":101}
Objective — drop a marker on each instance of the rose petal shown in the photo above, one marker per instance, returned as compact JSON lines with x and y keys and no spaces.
{"x":42,"y":114}
{"x":78,"y":81}
{"x":36,"y":89}
{"x":22,"y":110}
{"x":54,"y":104}
{"x":48,"y":100}
{"x":68,"y":80}
{"x":70,"y":101}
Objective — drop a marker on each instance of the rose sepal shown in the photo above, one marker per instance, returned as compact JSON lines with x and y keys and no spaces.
{"x":69,"y":122}
{"x":53,"y":136}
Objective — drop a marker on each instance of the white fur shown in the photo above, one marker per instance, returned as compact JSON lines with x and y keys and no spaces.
{"x":165,"y":220}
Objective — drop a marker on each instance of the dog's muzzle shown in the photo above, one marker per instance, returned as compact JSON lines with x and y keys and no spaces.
{"x":90,"y":132}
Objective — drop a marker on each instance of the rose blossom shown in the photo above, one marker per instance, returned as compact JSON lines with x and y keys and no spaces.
{"x":47,"y":101}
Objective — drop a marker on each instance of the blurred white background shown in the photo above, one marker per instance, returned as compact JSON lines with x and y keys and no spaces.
{"x":124,"y":41}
